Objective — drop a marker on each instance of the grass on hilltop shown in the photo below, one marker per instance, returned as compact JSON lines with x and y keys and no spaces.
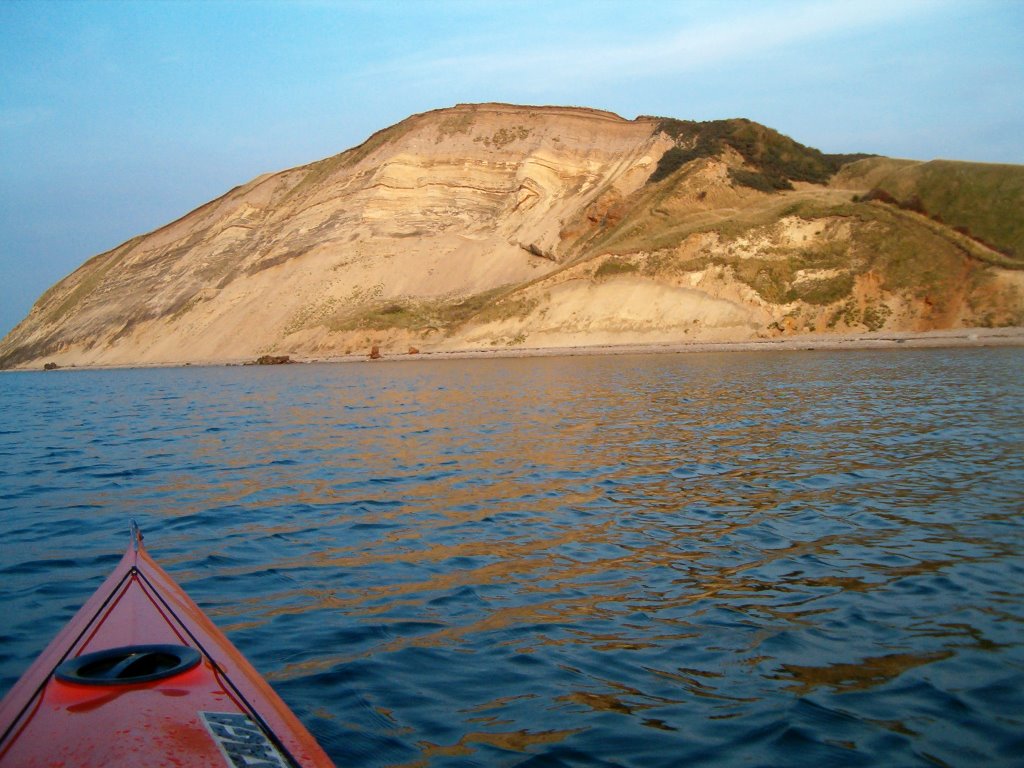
{"x":979,"y":200}
{"x":774,"y":160}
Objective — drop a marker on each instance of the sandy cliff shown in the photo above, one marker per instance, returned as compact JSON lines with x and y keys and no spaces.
{"x":487,"y":226}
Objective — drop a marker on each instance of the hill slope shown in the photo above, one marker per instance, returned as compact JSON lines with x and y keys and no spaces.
{"x":492,"y":225}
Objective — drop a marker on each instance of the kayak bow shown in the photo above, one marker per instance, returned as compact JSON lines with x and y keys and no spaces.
{"x":141,"y":676}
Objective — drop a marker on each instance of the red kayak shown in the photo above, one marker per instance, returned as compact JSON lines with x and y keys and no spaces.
{"x":141,"y":677}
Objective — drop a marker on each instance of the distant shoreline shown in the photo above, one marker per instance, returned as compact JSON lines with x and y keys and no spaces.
{"x":955,"y":338}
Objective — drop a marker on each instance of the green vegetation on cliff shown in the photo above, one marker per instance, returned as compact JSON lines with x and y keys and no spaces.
{"x":445,"y":315}
{"x":777,"y":160}
{"x":979,"y":200}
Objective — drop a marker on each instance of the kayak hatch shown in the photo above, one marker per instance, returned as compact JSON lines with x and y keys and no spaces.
{"x":141,"y":676}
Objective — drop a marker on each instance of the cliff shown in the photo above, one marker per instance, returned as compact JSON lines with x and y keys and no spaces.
{"x":495,"y":225}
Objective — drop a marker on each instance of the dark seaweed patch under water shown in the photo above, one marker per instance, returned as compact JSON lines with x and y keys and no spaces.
{"x":727,"y":559}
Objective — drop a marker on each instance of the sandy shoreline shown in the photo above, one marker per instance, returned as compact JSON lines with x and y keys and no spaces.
{"x":960,"y":337}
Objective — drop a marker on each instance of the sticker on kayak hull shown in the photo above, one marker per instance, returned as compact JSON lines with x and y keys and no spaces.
{"x":243,"y":743}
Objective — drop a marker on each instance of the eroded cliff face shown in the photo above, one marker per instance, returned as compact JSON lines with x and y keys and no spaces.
{"x":488,"y":225}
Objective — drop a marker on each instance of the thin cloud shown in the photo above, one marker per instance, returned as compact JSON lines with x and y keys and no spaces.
{"x":737,"y":37}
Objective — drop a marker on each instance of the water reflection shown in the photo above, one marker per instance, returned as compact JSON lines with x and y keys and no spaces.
{"x":625,"y":561}
{"x":857,"y":676}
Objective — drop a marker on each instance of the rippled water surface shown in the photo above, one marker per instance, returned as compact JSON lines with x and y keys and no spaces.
{"x":721,"y":559}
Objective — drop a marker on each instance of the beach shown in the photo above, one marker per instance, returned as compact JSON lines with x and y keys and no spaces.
{"x":958,"y":337}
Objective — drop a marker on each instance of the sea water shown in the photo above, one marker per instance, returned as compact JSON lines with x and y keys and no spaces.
{"x":780,"y":558}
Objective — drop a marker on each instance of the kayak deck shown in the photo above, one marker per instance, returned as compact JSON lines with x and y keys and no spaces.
{"x":141,"y":676}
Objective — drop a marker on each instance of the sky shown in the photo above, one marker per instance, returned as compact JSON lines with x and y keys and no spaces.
{"x":119,"y":117}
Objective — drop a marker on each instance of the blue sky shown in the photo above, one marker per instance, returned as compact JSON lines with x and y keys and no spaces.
{"x":118,"y":117}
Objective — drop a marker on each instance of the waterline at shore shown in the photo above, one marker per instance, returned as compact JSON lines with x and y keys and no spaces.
{"x":961,"y":337}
